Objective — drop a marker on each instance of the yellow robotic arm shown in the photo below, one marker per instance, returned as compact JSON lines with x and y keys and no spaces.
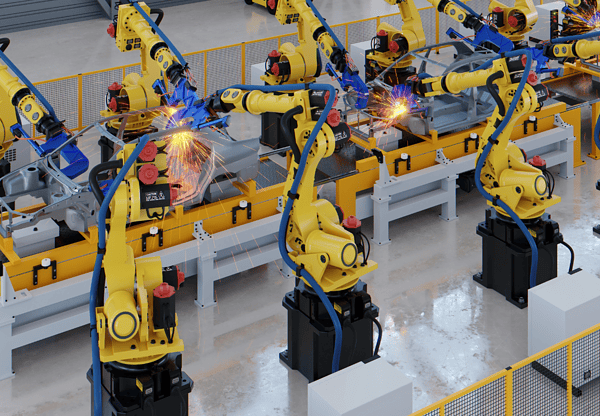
{"x":583,"y":49}
{"x":514,"y":22}
{"x":391,"y":43}
{"x":449,"y":8}
{"x":132,"y":32}
{"x":320,"y":243}
{"x":297,"y":64}
{"x":506,"y":174}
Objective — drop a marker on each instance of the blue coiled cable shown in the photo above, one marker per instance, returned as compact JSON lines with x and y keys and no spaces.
{"x":488,"y":148}
{"x":464,"y":6}
{"x":96,"y":364}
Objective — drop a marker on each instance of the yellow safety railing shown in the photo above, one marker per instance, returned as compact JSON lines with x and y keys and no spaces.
{"x":561,"y":380}
{"x":78,"y":99}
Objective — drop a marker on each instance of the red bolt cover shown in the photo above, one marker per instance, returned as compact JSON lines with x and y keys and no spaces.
{"x":149,"y":152}
{"x":111,"y":30}
{"x":327,"y":98}
{"x":275,"y":69}
{"x":524,"y":60}
{"x":274,"y":54}
{"x":164,"y":291}
{"x":272,"y":4}
{"x":394,"y":47}
{"x":513,"y":21}
{"x":174,"y":194}
{"x":180,"y":277}
{"x":115,"y":86}
{"x":382,"y":33}
{"x":148,"y":174}
{"x":532,"y":78}
{"x":351,"y":222}
{"x":334,"y":118}
{"x":537,"y":161}
{"x":113,"y":105}
{"x":498,"y":10}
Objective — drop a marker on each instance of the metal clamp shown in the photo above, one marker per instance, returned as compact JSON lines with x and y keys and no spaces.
{"x":532,"y":120}
{"x":243,"y":205}
{"x":46,"y":264}
{"x":473,"y":137}
{"x":404,"y":157}
{"x":154,"y":231}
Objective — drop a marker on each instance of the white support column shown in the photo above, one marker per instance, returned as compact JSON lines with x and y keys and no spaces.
{"x":381,"y":207}
{"x":6,"y":349}
{"x":205,"y":295}
{"x":566,"y":169}
{"x":449,"y":208}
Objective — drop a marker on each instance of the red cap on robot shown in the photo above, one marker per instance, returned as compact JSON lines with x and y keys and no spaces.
{"x":382,"y":33}
{"x":112,"y":105}
{"x":149,"y":152}
{"x":532,"y":78}
{"x":537,"y":161}
{"x":115,"y":86}
{"x":164,"y":290}
{"x":275,"y":69}
{"x":394,"y":47}
{"x":274,"y":54}
{"x":148,"y":174}
{"x":180,"y":277}
{"x":334,"y":118}
{"x":351,"y":222}
{"x":111,"y":30}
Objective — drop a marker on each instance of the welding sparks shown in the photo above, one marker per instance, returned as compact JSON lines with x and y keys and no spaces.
{"x":392,"y":106}
{"x":583,"y":19}
{"x":191,"y":162}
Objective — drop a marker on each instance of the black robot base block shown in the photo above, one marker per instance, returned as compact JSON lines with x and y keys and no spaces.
{"x":507,"y":255}
{"x":155,"y":389}
{"x":311,"y":334}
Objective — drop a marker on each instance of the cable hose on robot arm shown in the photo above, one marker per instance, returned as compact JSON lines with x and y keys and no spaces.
{"x":492,"y":90}
{"x":486,"y":151}
{"x":337,"y":351}
{"x":467,"y":8}
{"x":93,"y":177}
{"x":96,"y":364}
{"x":286,"y":121}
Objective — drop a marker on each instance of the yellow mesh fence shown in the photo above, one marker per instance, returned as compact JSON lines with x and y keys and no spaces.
{"x":561,"y":380}
{"x":80,"y":98}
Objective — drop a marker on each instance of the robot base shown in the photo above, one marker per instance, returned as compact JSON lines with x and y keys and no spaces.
{"x":507,"y":255}
{"x":156,"y":389}
{"x":311,"y":333}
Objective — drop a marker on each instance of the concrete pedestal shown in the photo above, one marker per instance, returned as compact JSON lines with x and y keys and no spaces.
{"x":375,"y":388}
{"x":561,"y":308}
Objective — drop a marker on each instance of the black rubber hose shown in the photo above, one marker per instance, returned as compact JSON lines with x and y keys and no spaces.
{"x":572,"y":256}
{"x":492,"y":90}
{"x":160,"y":14}
{"x":93,"y":178}
{"x":286,"y":120}
{"x":4,"y":42}
{"x":368,"y":246}
{"x":380,"y":334}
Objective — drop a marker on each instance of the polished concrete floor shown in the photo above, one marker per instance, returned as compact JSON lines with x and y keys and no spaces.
{"x":441,"y":329}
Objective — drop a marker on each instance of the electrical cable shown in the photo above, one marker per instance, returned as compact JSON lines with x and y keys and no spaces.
{"x":327,"y":27}
{"x":492,"y":90}
{"x":160,"y":33}
{"x":467,"y":8}
{"x":368,"y":246}
{"x":488,"y":148}
{"x":28,"y":83}
{"x":93,"y":178}
{"x":96,"y":364}
{"x":572,"y":263}
{"x":286,"y":121}
{"x":335,"y":364}
{"x":380,"y":332}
